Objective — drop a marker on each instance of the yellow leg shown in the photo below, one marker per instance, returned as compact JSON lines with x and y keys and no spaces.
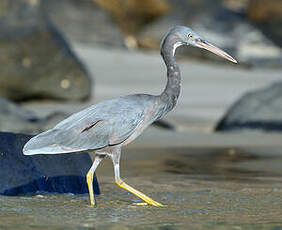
{"x":89,"y":178}
{"x":142,"y":196}
{"x":115,"y":155}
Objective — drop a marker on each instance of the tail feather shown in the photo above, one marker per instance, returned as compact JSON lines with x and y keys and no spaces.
{"x":45,"y":143}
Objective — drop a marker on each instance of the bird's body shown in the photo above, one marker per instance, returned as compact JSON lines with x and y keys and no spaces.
{"x":108,"y":123}
{"x":105,"y":127}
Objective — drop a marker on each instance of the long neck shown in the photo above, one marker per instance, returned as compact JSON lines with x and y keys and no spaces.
{"x":172,"y":90}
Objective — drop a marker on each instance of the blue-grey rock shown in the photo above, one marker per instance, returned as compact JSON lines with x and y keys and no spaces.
{"x":259,"y":110}
{"x":20,"y":174}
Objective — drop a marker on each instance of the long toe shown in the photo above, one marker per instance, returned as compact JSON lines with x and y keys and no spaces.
{"x":141,"y":204}
{"x":152,"y":202}
{"x":156,"y":204}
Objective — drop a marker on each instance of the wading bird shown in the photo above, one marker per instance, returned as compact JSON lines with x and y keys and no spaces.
{"x":107,"y":126}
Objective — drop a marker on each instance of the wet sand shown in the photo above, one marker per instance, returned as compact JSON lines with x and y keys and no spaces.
{"x":200,"y":188}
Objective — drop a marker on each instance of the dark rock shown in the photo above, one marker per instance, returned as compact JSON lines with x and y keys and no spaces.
{"x":14,"y":118}
{"x":84,"y":21}
{"x":36,"y":61}
{"x":19,"y":174}
{"x":257,"y":110}
{"x":228,"y":29}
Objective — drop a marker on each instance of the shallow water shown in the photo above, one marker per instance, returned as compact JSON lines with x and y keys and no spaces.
{"x":200,"y":188}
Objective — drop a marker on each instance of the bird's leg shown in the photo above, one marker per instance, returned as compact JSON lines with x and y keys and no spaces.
{"x":89,"y":177}
{"x":116,"y":158}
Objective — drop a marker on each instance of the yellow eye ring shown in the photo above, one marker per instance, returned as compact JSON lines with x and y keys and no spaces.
{"x":190,"y":35}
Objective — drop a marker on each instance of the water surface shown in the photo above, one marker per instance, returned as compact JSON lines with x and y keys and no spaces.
{"x":200,"y":188}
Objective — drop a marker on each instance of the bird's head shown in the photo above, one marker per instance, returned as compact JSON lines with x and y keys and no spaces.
{"x":185,"y":36}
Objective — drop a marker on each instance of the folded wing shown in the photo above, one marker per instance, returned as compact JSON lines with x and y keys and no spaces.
{"x":101,"y":125}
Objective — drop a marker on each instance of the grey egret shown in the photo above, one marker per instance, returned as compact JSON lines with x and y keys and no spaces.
{"x":105,"y":127}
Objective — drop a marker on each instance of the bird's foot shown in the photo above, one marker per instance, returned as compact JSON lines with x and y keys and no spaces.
{"x":141,"y":204}
{"x":145,"y":204}
{"x":152,"y":202}
{"x":92,"y":202}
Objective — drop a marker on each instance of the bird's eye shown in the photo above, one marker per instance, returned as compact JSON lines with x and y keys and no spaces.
{"x":190,"y":35}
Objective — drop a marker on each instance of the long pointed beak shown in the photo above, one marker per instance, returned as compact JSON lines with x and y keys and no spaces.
{"x":208,"y":46}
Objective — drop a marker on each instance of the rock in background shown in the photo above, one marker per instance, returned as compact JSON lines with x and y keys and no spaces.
{"x":132,"y":15}
{"x":19,"y":174}
{"x":36,"y":60}
{"x":14,"y":118}
{"x":257,"y":110}
{"x":84,"y":21}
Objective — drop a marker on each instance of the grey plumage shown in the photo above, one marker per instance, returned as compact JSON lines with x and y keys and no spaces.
{"x":113,"y":122}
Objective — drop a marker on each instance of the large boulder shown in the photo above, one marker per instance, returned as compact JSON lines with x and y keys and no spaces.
{"x":257,"y":110}
{"x":36,"y":61}
{"x":14,"y":118}
{"x":19,"y":174}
